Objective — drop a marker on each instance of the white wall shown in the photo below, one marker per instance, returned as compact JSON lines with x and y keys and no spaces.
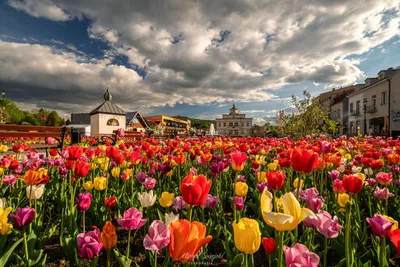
{"x":395,"y":103}
{"x":354,"y":119}
{"x":99,"y":125}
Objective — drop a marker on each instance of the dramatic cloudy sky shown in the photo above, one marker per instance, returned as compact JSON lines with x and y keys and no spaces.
{"x":190,"y":57}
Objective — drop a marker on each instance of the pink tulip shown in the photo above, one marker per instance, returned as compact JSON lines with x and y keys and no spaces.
{"x":158,"y":236}
{"x":132,"y":219}
{"x":84,"y":201}
{"x":89,"y":244}
{"x":334,"y":174}
{"x":384,"y":178}
{"x":299,"y":255}
{"x":22,"y":217}
{"x":382,"y":193}
{"x":238,"y":202}
{"x":371,"y":181}
{"x":313,"y":200}
{"x":211,"y":201}
{"x":326,"y":225}
{"x":262,"y":186}
{"x":326,"y":147}
{"x":380,"y":225}
{"x":338,"y":186}
{"x":9,"y":180}
{"x":149,"y":183}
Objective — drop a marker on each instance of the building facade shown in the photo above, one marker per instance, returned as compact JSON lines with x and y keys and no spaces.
{"x":234,"y":123}
{"x":169,"y":126}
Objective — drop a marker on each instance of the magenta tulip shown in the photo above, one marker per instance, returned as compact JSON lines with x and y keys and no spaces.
{"x":299,"y":255}
{"x":238,"y":202}
{"x":89,"y":244}
{"x":84,"y":201}
{"x":211,"y":201}
{"x":23,"y":216}
{"x":9,"y":180}
{"x":132,"y":219}
{"x":178,"y":203}
{"x":380,"y":225}
{"x":158,"y":236}
{"x":313,"y":201}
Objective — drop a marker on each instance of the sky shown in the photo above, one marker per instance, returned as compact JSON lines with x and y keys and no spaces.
{"x":190,"y":58}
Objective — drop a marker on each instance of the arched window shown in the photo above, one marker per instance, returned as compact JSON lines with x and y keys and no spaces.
{"x":112,"y":122}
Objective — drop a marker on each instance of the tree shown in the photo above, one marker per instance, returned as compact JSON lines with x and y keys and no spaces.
{"x":53,"y":119}
{"x":10,"y":111}
{"x":309,"y":118}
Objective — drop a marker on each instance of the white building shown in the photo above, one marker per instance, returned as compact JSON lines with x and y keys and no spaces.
{"x":107,"y":117}
{"x":374,"y":107}
{"x":234,"y":123}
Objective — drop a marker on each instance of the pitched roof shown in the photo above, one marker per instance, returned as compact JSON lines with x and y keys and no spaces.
{"x":108,"y":107}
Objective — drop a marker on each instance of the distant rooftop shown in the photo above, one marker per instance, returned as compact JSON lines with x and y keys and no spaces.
{"x":108,"y":106}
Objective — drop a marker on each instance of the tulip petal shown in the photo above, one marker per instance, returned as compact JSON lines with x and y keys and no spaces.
{"x":291,"y":206}
{"x":280,"y":221}
{"x":266,"y":201}
{"x":306,"y":213}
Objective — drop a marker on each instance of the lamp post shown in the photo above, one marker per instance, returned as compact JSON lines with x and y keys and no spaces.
{"x":3,"y":117}
{"x":365,"y":116}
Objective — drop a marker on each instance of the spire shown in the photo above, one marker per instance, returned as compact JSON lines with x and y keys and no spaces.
{"x":107,"y":96}
{"x":233,"y":106}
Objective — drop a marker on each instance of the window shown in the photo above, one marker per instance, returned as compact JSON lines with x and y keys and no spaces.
{"x":230,"y":124}
{"x":365,"y":104}
{"x":383,"y":98}
{"x":358,"y":107}
{"x":351,"y":107}
{"x":236,"y":124}
{"x":248,"y":124}
{"x":242,"y":124}
{"x":374,"y":101}
{"x":219,"y":124}
{"x":112,"y":122}
{"x":224,"y":124}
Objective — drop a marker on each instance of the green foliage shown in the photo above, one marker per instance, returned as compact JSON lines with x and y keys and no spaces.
{"x":198,"y":123}
{"x":10,"y":113}
{"x":310,"y":118}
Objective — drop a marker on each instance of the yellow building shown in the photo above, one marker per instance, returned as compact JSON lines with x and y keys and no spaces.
{"x":168,"y":125}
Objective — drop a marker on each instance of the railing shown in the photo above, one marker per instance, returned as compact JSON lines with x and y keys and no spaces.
{"x":371,"y":109}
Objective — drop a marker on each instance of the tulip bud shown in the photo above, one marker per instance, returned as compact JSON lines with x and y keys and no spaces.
{"x":110,"y":202}
{"x":269,"y":245}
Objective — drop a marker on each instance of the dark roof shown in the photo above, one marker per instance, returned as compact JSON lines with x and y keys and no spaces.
{"x":131,"y":115}
{"x":108,"y":107}
{"x":80,"y":118}
{"x":135,"y":114}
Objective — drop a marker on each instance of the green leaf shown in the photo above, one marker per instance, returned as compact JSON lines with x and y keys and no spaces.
{"x":7,"y":254}
{"x":238,"y":260}
{"x":122,"y":259}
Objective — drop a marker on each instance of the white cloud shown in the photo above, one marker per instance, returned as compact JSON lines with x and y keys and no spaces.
{"x":266,"y":45}
{"x":41,"y":9}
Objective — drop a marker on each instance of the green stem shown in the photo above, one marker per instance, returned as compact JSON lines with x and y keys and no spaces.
{"x":348,"y":237}
{"x":382,"y":252}
{"x":155,"y":258}
{"x":108,"y":257}
{"x":26,"y":248}
{"x":325,"y":251}
{"x":280,"y":251}
{"x":83,"y":221}
{"x":190,"y":213}
{"x":129,"y":244}
{"x":246,"y":262}
{"x":269,"y":260}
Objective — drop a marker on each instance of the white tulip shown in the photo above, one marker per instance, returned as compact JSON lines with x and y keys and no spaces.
{"x":147,"y":199}
{"x":368,"y":171}
{"x":170,"y":217}
{"x":34,"y":191}
{"x":341,"y":168}
{"x":3,"y":203}
{"x":355,"y":169}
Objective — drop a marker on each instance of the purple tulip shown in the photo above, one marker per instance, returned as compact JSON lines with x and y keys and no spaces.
{"x":211,"y":201}
{"x":158,"y":236}
{"x":380,"y":225}
{"x":132,"y":219}
{"x":18,"y":170}
{"x":334,"y":174}
{"x":89,"y":244}
{"x":238,"y":202}
{"x":262,"y":186}
{"x":9,"y":180}
{"x":84,"y":201}
{"x":299,"y":255}
{"x":326,"y":225}
{"x":23,"y":216}
{"x":141,"y":177}
{"x":371,"y":181}
{"x":178,"y":203}
{"x":241,"y":178}
{"x":395,"y":168}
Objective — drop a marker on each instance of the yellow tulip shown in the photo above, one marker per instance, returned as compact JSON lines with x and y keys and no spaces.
{"x":93,"y":166}
{"x":4,"y":225}
{"x":102,"y":147}
{"x":296,"y":183}
{"x":169,"y":174}
{"x":88,"y":186}
{"x":166,"y":199}
{"x":1,"y":171}
{"x":272,"y":166}
{"x":292,"y":214}
{"x":100,"y":183}
{"x":241,"y":189}
{"x":343,"y":199}
{"x":262,"y":177}
{"x":247,"y":235}
{"x":3,"y":148}
{"x":115,"y":172}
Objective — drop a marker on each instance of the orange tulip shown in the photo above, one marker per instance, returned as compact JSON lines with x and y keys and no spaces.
{"x":187,"y":238}
{"x":393,"y":159}
{"x":109,"y":236}
{"x":36,"y":177}
{"x":180,"y":158}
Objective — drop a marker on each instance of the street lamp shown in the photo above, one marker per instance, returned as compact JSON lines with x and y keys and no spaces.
{"x":3,"y":119}
{"x":3,"y":94}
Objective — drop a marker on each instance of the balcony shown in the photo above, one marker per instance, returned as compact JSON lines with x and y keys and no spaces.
{"x":371,"y":109}
{"x":356,"y":113}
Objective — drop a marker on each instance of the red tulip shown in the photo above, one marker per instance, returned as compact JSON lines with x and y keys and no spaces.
{"x":81,"y":168}
{"x":352,"y":183}
{"x":110,"y":202}
{"x":276,"y":179}
{"x":395,"y":238}
{"x":269,"y":245}
{"x":74,"y":152}
{"x":195,"y":189}
{"x":238,"y":160}
{"x":303,"y":160}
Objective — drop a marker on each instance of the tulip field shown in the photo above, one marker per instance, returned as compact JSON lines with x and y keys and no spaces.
{"x":204,"y":201}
